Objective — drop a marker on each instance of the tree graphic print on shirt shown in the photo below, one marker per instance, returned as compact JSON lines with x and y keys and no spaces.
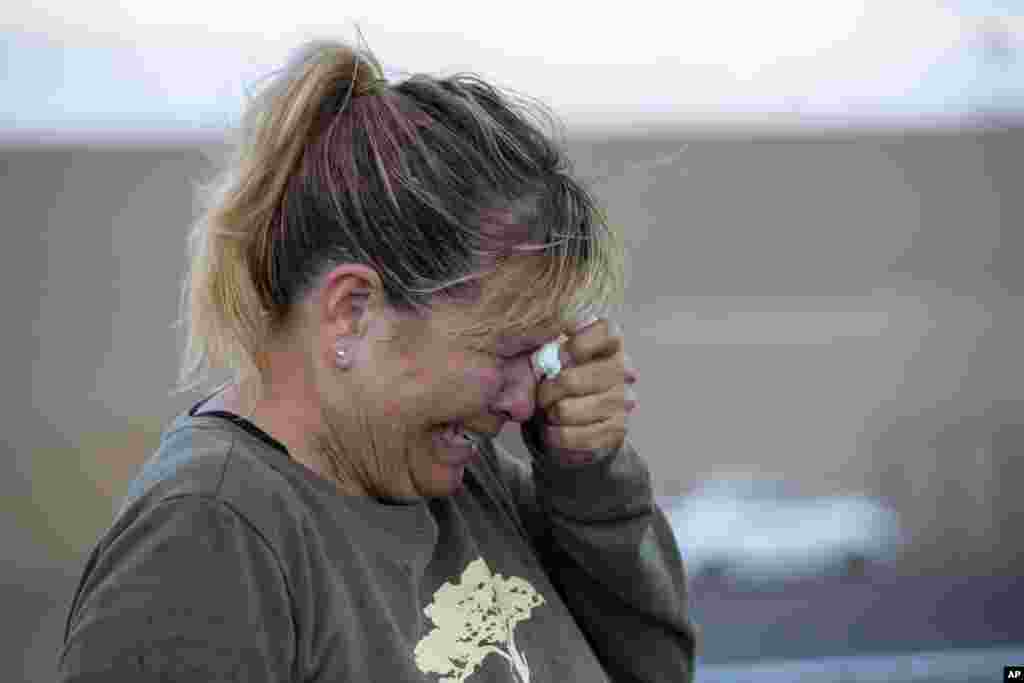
{"x":473,"y":619}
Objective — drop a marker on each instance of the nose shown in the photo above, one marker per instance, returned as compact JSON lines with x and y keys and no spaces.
{"x":517,"y":399}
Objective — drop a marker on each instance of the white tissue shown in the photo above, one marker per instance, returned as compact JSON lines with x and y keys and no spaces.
{"x":546,"y":359}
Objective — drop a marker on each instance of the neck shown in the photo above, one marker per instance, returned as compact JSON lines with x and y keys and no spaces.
{"x":291,"y":419}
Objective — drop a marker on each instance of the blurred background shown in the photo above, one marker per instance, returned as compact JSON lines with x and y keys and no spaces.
{"x":825,"y":300}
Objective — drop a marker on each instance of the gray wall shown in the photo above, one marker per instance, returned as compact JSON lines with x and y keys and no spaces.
{"x":839,"y":310}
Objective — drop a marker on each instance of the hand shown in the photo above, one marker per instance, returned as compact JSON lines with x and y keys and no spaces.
{"x":583,"y":413}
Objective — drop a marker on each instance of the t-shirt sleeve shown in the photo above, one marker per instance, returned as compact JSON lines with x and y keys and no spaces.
{"x":189,"y":591}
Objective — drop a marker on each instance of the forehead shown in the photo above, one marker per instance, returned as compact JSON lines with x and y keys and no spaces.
{"x":496,"y":319}
{"x":473,"y":321}
{"x":509,"y":304}
{"x":511,"y":294}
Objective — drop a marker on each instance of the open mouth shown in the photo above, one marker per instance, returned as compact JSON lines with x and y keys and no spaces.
{"x":458,"y":445}
{"x":455,"y":434}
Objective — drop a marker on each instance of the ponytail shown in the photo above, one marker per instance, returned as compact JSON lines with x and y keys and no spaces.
{"x":226,"y":305}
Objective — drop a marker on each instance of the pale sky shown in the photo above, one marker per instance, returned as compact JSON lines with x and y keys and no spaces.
{"x":183,"y":65}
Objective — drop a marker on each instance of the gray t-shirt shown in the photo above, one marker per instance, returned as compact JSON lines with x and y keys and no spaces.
{"x":230,"y":561}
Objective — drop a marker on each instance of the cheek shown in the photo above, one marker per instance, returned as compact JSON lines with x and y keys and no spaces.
{"x":470,"y":383}
{"x":406,"y":390}
{"x":426,"y":387}
{"x":489,"y":380}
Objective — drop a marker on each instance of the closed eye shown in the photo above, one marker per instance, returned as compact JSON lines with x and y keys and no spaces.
{"x":515,"y":350}
{"x":495,"y":353}
{"x":511,"y":357}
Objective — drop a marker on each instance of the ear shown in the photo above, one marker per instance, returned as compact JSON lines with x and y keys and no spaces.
{"x":346,"y":299}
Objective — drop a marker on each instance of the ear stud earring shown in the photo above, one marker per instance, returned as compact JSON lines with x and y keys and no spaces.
{"x":342,"y":357}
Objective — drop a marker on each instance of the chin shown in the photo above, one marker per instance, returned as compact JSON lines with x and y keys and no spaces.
{"x":443,"y":481}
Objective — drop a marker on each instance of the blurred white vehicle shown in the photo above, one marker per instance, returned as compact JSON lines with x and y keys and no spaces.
{"x":752,"y":529}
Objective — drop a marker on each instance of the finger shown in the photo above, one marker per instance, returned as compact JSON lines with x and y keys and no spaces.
{"x":585,"y":410}
{"x":609,"y":433}
{"x":600,"y":339}
{"x":577,"y":326}
{"x":631,"y":374}
{"x":594,"y":378}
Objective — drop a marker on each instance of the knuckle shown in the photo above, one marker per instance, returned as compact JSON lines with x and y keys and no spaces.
{"x":562,"y":439}
{"x":620,"y":426}
{"x":610,"y":443}
{"x":631,"y":400}
{"x":569,"y":380}
{"x":551,"y":435}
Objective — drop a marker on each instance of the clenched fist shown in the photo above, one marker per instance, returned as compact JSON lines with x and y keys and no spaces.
{"x":583,"y":411}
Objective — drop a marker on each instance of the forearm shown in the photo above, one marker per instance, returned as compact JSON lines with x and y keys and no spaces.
{"x":613,"y":556}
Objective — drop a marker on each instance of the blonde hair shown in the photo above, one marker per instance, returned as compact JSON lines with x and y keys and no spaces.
{"x":439,"y":184}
